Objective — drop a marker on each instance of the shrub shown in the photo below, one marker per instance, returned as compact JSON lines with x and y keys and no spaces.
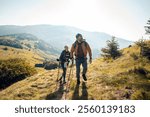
{"x":141,"y":42}
{"x":134,"y":56}
{"x":140,"y":95}
{"x":139,"y":70}
{"x":5,"y":48}
{"x":13,"y":70}
{"x":144,"y":48}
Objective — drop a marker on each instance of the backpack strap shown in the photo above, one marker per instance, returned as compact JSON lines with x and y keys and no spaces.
{"x":75,"y":43}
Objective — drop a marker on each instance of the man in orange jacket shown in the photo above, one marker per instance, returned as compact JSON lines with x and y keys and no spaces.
{"x":80,"y":49}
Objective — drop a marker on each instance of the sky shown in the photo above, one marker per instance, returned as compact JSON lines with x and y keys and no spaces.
{"x":121,"y":18}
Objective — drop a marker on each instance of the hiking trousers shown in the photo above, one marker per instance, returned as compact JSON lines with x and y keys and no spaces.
{"x":80,"y":61}
{"x":64,"y":67}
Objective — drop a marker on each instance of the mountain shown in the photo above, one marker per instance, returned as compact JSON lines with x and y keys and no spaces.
{"x":27,"y":41}
{"x":26,"y":46}
{"x":58,"y":36}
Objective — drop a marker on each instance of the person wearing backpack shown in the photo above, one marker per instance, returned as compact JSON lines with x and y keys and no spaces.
{"x":64,"y":61}
{"x":80,"y":48}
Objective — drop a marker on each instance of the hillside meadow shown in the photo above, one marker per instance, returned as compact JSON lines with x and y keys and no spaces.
{"x":125,"y":78}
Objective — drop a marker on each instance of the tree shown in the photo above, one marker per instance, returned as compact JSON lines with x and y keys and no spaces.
{"x":112,"y":49}
{"x":141,"y":43}
{"x":147,"y":27}
{"x":144,"y":47}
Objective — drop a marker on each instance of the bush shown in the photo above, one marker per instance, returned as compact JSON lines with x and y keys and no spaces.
{"x":134,"y":56}
{"x":140,"y":95}
{"x":13,"y":70}
{"x":5,"y":48}
{"x":139,"y":70}
{"x":144,"y":48}
{"x":141,"y":42}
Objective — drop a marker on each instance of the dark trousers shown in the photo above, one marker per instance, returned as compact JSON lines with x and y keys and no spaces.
{"x":80,"y":61}
{"x":64,"y":70}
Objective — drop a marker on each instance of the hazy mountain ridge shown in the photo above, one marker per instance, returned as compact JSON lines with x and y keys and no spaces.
{"x":58,"y":36}
{"x":27,"y":41}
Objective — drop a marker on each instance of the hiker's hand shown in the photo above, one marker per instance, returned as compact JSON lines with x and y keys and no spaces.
{"x":72,"y":60}
{"x":90,"y":61}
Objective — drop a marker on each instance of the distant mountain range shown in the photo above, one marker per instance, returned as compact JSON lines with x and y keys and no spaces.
{"x":58,"y":36}
{"x":25,"y":41}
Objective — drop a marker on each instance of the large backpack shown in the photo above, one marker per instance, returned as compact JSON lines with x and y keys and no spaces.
{"x":75,"y":43}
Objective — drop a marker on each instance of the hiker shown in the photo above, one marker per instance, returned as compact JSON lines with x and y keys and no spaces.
{"x":80,"y":48}
{"x":64,"y":61}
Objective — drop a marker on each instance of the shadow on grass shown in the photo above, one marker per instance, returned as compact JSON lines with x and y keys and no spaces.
{"x":57,"y":95}
{"x":84,"y":95}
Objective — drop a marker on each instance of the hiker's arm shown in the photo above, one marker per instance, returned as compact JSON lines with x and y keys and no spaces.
{"x":72,"y":51}
{"x":89,"y":51}
{"x":61,"y":55}
{"x":69,"y":55}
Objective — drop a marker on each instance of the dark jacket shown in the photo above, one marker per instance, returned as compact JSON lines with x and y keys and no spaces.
{"x":65,"y":56}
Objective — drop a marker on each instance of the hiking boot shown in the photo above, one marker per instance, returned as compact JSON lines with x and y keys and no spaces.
{"x":84,"y":77}
{"x":64,"y":82}
{"x":60,"y":78}
{"x":60,"y":81}
{"x":78,"y":82}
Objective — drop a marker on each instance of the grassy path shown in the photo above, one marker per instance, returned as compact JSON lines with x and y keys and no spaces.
{"x":40,"y":86}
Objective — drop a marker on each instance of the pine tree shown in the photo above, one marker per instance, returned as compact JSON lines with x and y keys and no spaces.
{"x":147,"y":27}
{"x":112,"y":49}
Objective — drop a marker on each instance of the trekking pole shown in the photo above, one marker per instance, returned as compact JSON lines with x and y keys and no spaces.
{"x":58,"y":71}
{"x":69,"y":81}
{"x":71,"y":74}
{"x":58,"y":74}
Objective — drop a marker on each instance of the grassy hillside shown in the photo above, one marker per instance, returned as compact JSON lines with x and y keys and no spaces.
{"x":14,"y":70}
{"x":26,"y":46}
{"x":127,"y":77}
{"x":10,"y":53}
{"x":20,"y":53}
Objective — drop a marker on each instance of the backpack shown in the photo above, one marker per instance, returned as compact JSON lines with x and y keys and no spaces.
{"x":75,"y":43}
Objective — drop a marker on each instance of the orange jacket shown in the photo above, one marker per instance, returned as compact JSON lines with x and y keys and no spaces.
{"x":85,"y":47}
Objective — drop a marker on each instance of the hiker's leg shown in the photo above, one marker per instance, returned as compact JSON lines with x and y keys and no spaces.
{"x":62,"y":65}
{"x":78,"y":63}
{"x":84,"y":65}
{"x":64,"y":74}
